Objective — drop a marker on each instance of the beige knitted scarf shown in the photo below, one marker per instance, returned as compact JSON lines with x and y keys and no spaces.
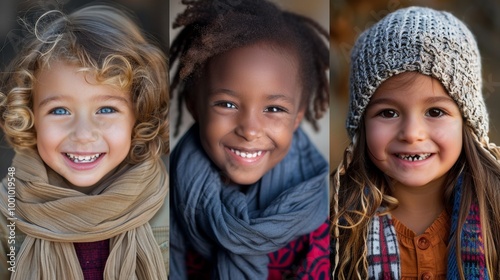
{"x":54,"y":216}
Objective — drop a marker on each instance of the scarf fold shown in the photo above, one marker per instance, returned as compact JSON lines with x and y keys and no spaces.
{"x":53,"y":216}
{"x":383,"y":253}
{"x":235,"y":226}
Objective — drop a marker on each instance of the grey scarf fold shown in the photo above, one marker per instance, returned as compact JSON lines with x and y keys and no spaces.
{"x":237,"y":228}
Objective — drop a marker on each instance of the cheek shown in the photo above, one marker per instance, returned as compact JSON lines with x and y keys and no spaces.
{"x":377,"y":137}
{"x":48,"y":136}
{"x":117,"y":134}
{"x":282,"y":135}
{"x":121,"y":135}
{"x":449,"y":137}
{"x":212,"y":129}
{"x":214,"y":126}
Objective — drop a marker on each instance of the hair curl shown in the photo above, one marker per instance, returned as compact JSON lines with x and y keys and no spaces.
{"x":213,"y":27}
{"x":105,"y":42}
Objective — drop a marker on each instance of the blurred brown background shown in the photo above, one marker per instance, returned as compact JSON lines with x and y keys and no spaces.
{"x":151,"y":15}
{"x":348,"y":18}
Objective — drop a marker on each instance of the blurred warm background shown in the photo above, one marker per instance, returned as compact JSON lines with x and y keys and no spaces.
{"x":348,"y":18}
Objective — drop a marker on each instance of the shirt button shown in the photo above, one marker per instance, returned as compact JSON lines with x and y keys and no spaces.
{"x":426,"y":276}
{"x":423,"y":243}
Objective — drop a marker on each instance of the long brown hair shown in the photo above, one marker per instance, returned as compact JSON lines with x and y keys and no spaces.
{"x":359,"y":188}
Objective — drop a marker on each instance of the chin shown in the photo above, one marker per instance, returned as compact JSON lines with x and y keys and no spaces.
{"x":82,"y":183}
{"x":243,"y":181}
{"x":414,"y":184}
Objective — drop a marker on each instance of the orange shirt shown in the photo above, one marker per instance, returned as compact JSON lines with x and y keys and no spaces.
{"x":424,"y":256}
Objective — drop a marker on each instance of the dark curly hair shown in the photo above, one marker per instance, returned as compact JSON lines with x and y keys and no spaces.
{"x":213,"y":27}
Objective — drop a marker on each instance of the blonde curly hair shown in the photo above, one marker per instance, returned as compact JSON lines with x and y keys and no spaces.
{"x":105,"y":42}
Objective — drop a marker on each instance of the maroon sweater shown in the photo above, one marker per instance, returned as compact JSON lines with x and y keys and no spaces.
{"x":92,"y":257}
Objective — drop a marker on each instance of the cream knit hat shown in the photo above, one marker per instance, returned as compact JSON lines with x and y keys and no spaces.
{"x":430,"y":42}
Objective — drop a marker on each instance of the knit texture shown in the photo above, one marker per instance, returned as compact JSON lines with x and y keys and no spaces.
{"x":383,"y":253}
{"x":304,"y":258}
{"x":473,"y":260}
{"x":92,"y":257}
{"x":430,"y":42}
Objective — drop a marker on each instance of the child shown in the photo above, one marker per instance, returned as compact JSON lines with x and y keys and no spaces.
{"x":85,"y":106}
{"x":249,"y":196}
{"x":416,"y":196}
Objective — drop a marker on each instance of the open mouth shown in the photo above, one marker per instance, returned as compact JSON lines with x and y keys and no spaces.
{"x":414,"y":157}
{"x":83,"y":159}
{"x":246,"y":154}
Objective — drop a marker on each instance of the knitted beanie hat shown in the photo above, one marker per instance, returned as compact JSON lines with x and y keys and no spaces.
{"x":430,"y":42}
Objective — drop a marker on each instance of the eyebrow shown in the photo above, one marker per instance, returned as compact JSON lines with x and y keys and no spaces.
{"x":280,"y":97}
{"x":271,"y":97}
{"x":113,"y":97}
{"x":436,"y":99}
{"x":100,"y":98}
{"x":51,"y":99}
{"x":429,"y":100}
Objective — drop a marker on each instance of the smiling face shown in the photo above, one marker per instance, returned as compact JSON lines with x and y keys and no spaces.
{"x":413,"y":130}
{"x":83,"y":129}
{"x":248,"y":110}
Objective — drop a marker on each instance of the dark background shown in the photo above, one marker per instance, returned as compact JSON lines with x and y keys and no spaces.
{"x":151,"y":16}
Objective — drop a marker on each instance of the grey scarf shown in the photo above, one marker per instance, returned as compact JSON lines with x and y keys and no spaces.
{"x":235,"y":229}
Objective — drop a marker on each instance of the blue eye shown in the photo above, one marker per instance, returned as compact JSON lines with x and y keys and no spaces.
{"x":275,"y":109}
{"x":59,"y":111}
{"x":106,"y":110}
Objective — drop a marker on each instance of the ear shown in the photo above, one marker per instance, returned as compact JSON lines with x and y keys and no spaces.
{"x":300,"y":116}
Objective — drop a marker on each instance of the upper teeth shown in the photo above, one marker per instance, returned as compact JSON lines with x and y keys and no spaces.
{"x":78,"y":159}
{"x":246,"y":154}
{"x":414,"y":157}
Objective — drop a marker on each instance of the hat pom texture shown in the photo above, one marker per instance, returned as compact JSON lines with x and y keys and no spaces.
{"x":423,"y":40}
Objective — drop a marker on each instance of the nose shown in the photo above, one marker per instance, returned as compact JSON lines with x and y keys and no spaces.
{"x":84,"y":130}
{"x":249,"y":125}
{"x":412,"y":129}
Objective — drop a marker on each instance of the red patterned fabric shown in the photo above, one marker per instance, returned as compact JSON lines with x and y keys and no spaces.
{"x":92,"y":257}
{"x":304,"y":258}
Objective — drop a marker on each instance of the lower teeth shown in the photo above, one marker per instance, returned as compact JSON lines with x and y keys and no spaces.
{"x":83,"y":161}
{"x":76,"y":160}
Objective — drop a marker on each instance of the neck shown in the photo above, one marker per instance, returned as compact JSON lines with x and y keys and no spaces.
{"x":419,"y":206}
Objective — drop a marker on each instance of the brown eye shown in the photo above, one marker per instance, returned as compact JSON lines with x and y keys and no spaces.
{"x":275,"y":109}
{"x":435,"y":113}
{"x":225,"y":104}
{"x":388,"y":114}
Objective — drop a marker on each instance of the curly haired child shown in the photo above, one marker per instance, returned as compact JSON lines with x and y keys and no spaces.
{"x":85,"y":106}
{"x":416,"y":196}
{"x":249,"y":195}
